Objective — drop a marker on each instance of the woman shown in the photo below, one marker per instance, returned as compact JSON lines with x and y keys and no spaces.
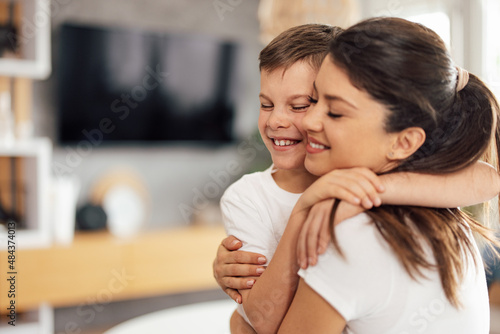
{"x":388,"y":97}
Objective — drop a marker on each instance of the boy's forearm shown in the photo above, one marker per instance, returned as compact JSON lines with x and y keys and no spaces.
{"x":267,"y":302}
{"x":472,"y":185}
{"x":238,"y":325}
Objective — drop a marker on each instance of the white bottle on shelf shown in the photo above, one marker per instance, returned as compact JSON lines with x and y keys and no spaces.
{"x":6,"y":120}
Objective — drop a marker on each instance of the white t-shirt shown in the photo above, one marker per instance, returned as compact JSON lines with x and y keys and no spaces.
{"x":256,"y":211}
{"x":374,"y":294}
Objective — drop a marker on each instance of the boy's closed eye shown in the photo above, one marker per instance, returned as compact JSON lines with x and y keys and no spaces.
{"x":300,"y":107}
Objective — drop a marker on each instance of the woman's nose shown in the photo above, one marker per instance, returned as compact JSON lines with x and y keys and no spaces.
{"x":312,"y":120}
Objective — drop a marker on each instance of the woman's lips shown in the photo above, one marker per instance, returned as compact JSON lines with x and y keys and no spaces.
{"x":314,"y":146}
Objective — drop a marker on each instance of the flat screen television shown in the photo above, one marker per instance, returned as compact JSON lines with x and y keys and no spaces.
{"x":129,"y":86}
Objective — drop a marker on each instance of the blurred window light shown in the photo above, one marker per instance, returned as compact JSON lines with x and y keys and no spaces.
{"x":491,"y":51}
{"x":437,"y":21}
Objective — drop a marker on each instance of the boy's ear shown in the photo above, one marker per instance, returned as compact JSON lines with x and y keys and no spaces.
{"x":406,"y":143}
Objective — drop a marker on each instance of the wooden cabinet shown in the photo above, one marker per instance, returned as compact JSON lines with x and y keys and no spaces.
{"x":99,"y":268}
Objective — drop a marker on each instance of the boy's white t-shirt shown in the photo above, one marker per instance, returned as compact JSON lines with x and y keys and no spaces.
{"x":256,"y":210}
{"x":373,"y":292}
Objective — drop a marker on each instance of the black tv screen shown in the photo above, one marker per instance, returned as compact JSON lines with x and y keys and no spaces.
{"x":129,"y":86}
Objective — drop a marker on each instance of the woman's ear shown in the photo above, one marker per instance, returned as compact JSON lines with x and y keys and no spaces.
{"x":406,"y":143}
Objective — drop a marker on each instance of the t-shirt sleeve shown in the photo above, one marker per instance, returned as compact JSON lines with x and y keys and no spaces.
{"x":359,"y":283}
{"x":244,"y":218}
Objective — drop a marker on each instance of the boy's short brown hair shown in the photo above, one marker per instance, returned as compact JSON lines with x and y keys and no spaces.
{"x":307,"y":42}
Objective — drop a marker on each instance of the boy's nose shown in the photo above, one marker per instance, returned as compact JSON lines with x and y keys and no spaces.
{"x":278,"y":119}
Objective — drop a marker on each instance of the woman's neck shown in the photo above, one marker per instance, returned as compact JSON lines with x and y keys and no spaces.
{"x":294,"y":180}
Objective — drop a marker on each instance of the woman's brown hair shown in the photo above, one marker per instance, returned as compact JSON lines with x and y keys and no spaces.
{"x":406,"y":67}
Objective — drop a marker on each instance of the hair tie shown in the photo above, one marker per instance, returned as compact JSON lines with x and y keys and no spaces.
{"x":462,"y":79}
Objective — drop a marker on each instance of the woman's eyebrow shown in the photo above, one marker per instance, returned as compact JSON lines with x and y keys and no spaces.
{"x":340,"y":99}
{"x":335,"y":98}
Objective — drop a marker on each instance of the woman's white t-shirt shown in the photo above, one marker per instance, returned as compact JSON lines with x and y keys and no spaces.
{"x":375,"y":295}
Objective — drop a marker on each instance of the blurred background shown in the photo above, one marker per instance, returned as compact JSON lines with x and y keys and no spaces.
{"x":125,"y":121}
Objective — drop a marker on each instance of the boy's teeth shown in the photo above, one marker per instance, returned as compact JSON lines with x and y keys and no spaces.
{"x":318,"y":146}
{"x":284,"y":142}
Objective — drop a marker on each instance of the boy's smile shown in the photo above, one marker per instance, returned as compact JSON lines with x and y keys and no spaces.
{"x":284,"y":101}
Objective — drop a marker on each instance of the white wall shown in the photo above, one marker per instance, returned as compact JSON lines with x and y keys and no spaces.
{"x":465,"y":17}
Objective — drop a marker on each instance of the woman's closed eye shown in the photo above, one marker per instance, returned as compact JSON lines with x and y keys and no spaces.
{"x":333,"y":115}
{"x":266,"y":106}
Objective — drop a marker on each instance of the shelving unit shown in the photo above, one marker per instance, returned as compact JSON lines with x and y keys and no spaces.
{"x":33,"y":19}
{"x":31,"y":178}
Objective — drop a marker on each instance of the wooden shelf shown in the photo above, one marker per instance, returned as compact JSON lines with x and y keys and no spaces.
{"x":99,"y":268}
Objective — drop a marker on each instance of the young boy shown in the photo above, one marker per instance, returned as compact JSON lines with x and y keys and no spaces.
{"x":256,"y":208}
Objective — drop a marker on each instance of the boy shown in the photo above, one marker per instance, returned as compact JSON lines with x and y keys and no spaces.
{"x":256,"y":208}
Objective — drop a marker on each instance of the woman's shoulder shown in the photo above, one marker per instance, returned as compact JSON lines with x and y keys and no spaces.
{"x":361,"y":246}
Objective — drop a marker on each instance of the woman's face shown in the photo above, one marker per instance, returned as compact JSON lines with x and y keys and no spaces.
{"x":345,"y":127}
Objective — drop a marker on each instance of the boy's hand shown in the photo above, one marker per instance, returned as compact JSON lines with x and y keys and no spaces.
{"x":236,"y":270}
{"x":357,"y":186}
{"x":356,"y":189}
{"x":315,"y":234}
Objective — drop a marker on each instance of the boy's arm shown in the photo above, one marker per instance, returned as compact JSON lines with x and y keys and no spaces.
{"x":238,"y":325}
{"x":475,"y":184}
{"x":310,"y":313}
{"x":267,"y":302}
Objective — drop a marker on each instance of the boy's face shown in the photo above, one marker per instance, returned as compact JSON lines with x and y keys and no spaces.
{"x":284,"y":99}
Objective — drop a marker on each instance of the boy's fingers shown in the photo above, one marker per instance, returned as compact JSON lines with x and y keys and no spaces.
{"x":302,"y":242}
{"x":348,"y":191}
{"x":243,"y":257}
{"x":234,"y":294}
{"x":366,"y":182}
{"x":242,"y":270}
{"x":361,"y":182}
{"x":314,"y":230}
{"x":324,"y":237}
{"x":231,"y":243}
{"x":373,"y":178}
{"x":362,"y":186}
{"x":238,"y":283}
